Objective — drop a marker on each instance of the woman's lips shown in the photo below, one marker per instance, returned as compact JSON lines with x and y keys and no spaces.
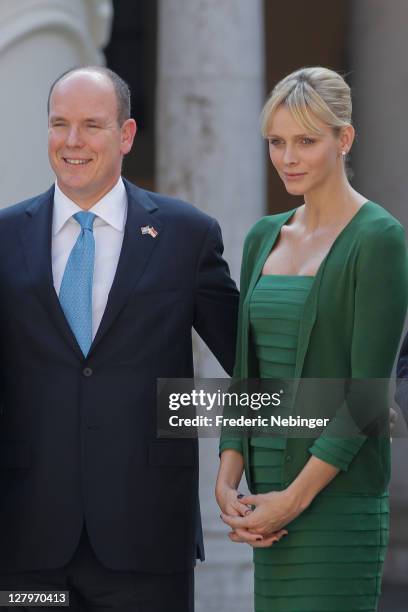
{"x":293,"y":176}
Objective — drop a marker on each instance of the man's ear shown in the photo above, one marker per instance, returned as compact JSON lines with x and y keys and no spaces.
{"x":128,"y":133}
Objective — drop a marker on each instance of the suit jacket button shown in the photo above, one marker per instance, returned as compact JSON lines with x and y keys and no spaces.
{"x":87,"y":372}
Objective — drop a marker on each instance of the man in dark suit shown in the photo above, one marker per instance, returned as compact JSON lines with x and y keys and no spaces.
{"x":101,"y":283}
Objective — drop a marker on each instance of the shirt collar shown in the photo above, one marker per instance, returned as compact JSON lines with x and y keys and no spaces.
{"x":111,"y":209}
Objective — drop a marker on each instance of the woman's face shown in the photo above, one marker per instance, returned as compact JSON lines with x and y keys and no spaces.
{"x":305,"y":161}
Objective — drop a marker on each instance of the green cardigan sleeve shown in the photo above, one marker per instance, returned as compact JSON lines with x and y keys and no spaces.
{"x":381,"y":294}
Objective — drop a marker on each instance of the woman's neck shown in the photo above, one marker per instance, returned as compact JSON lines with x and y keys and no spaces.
{"x":330,"y":205}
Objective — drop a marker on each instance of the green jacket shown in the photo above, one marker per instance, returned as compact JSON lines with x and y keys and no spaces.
{"x":351,"y":326}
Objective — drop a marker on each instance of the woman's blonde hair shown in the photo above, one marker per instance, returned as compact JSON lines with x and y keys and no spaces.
{"x":309,"y":93}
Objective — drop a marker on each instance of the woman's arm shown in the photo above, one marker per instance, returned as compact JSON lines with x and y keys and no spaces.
{"x":379,"y":313}
{"x":275,"y":510}
{"x":226,"y":491}
{"x":230,"y":472}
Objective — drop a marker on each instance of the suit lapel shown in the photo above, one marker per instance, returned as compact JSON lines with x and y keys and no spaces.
{"x":35,"y":235}
{"x":136,"y":251}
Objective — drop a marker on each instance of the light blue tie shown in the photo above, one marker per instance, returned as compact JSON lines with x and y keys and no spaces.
{"x":76,"y":287}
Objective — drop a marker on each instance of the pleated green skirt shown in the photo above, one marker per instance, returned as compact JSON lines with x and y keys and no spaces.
{"x":332,"y":558}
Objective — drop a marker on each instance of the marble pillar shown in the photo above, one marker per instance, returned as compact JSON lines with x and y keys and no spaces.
{"x":210,"y":92}
{"x":209,"y":151}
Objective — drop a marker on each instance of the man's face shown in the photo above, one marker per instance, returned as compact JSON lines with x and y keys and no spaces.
{"x":86,"y":145}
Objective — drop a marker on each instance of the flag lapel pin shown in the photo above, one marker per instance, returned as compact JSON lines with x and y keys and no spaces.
{"x":150,"y":230}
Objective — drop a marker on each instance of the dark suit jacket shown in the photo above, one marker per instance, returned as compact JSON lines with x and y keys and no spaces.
{"x":401,"y":395}
{"x":78,"y":436}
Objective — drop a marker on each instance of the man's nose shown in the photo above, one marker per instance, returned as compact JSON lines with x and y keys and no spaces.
{"x":73,"y":137}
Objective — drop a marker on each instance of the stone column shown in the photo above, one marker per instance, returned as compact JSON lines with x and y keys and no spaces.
{"x":39,"y":39}
{"x":379,"y":78}
{"x":209,"y":151}
{"x":210,"y":92}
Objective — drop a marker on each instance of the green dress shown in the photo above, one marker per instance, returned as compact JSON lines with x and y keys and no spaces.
{"x":331,"y":560}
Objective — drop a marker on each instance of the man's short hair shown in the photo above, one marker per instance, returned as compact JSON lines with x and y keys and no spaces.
{"x":122,"y":90}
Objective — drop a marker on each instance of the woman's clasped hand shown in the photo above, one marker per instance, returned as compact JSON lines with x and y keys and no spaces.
{"x":263,"y":525}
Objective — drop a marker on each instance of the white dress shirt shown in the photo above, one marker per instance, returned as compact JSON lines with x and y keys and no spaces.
{"x":108,"y":229}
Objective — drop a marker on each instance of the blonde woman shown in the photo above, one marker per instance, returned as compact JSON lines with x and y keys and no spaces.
{"x":323,"y":295}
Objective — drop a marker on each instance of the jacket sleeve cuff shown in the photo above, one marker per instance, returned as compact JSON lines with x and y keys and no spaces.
{"x":231,"y":445}
{"x":338,"y":452}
